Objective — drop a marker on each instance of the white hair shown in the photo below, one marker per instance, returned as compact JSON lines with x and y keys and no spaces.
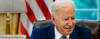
{"x":60,"y":3}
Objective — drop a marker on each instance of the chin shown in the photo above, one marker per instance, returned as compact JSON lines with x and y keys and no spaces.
{"x":68,"y":32}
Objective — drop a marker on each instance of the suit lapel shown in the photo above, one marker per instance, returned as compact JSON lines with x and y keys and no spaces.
{"x":74,"y":34}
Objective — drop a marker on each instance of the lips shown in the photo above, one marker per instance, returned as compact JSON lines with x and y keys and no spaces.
{"x":67,"y":27}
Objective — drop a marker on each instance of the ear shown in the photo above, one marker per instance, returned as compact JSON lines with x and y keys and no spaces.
{"x":53,"y":18}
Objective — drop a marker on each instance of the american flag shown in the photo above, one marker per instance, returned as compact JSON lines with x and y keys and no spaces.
{"x":36,"y":10}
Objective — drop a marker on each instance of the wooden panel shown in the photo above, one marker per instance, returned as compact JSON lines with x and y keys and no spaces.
{"x":19,"y":28}
{"x":3,"y":23}
{"x":13,"y":23}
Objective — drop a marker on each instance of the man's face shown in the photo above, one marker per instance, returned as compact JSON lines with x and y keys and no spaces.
{"x":65,"y":20}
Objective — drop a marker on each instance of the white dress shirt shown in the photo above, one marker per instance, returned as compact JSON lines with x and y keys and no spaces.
{"x":58,"y":35}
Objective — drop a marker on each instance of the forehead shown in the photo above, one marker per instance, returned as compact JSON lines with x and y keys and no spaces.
{"x":69,"y":10}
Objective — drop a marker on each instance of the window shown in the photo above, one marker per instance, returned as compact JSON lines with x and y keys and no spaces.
{"x":87,"y":9}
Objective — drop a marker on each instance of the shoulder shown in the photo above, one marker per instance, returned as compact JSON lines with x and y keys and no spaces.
{"x":41,"y":32}
{"x":81,"y":28}
{"x":83,"y":32}
{"x":44,"y":28}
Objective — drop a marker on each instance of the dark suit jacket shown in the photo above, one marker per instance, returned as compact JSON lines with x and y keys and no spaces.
{"x":47,"y":32}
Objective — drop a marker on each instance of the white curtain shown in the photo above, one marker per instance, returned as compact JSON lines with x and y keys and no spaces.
{"x":12,"y":6}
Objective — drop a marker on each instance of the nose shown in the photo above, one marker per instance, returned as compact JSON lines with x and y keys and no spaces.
{"x":70,"y":23}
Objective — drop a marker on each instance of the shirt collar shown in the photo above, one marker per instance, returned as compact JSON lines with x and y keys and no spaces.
{"x":58,"y":35}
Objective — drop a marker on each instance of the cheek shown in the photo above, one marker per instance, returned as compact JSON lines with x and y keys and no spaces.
{"x":74,"y":22}
{"x":65,"y":23}
{"x":59,"y":23}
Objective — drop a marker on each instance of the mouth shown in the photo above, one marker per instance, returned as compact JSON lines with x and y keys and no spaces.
{"x":68,"y":27}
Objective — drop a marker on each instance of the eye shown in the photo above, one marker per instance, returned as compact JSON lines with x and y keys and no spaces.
{"x":65,"y":19}
{"x":73,"y":18}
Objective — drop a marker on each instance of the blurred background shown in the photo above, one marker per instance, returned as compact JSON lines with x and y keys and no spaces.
{"x":87,"y":9}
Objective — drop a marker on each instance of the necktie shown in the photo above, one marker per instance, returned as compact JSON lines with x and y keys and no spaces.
{"x":63,"y":37}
